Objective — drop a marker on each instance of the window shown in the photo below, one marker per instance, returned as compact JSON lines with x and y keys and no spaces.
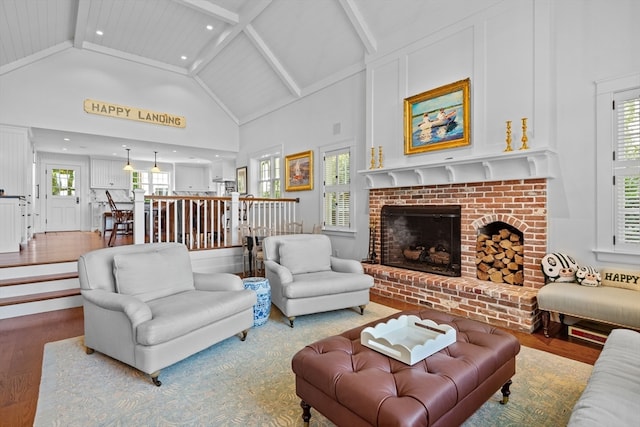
{"x":618,"y":170}
{"x":626,"y":169}
{"x":337,"y":209}
{"x":153,"y":183}
{"x":269,"y":177}
{"x":63,"y":182}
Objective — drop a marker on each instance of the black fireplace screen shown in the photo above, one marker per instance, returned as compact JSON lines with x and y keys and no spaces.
{"x":423,"y":238}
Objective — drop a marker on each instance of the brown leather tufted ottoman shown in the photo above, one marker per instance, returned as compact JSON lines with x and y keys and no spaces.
{"x":352,"y":385}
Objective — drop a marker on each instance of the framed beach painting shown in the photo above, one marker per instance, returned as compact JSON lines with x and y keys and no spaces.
{"x":299,"y":171}
{"x":241,"y":180}
{"x":437,"y":119}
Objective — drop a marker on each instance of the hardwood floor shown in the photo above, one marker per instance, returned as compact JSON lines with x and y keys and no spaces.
{"x":22,"y":339}
{"x":46,"y":248}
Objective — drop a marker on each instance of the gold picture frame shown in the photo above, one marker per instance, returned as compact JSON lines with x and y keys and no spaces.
{"x":438,"y":119}
{"x":299,"y":171}
{"x":241,"y":180}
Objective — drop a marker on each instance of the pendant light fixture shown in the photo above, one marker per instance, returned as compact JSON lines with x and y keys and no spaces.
{"x":155,"y":168}
{"x":128,"y":166}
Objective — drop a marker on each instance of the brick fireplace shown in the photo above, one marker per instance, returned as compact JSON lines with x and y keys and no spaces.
{"x":521,"y":204}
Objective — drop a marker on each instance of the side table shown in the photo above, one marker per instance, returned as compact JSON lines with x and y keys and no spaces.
{"x":263,"y":291}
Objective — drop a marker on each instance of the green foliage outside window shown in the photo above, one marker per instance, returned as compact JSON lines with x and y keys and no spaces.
{"x":63,"y":182}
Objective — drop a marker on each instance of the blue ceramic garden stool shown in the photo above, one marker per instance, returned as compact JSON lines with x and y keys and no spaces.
{"x":263,"y":291}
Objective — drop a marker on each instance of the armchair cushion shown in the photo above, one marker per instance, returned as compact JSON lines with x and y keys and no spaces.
{"x":177,"y":315}
{"x":326,"y":283}
{"x":301,"y":256}
{"x":149,"y":275}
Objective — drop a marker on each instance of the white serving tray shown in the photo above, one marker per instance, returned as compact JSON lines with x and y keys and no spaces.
{"x":408,"y":339}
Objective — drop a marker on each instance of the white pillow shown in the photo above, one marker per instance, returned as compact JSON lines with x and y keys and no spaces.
{"x":151,"y":275}
{"x":306,"y":256}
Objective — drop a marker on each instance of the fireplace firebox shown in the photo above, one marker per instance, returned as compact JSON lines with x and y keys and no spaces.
{"x":421,"y":237}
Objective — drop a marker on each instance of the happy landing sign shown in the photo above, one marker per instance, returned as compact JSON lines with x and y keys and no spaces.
{"x":132,"y":113}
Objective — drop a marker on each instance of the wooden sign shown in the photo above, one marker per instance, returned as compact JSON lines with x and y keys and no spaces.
{"x":131,"y":113}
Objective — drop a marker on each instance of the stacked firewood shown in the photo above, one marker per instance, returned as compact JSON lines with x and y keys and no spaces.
{"x":500,"y":257}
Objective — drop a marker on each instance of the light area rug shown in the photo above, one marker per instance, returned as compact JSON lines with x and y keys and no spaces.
{"x":235,"y":383}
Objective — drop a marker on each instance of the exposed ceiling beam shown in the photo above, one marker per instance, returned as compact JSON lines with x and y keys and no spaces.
{"x":360,"y":25}
{"x":272,"y":59}
{"x":212,"y":50}
{"x":212,"y":10}
{"x":217,"y":100}
{"x":134,"y":58}
{"x":14,"y":65}
{"x":81,"y":24}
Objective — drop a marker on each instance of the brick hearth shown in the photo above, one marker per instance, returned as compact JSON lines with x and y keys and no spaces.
{"x":519,"y":203}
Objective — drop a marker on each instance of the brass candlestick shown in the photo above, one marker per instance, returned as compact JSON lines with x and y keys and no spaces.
{"x":524,"y":145}
{"x":508,"y":136}
{"x":380,"y":157}
{"x":373,"y":158}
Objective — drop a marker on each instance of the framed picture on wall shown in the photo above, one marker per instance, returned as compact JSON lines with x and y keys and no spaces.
{"x":437,"y":119}
{"x":299,"y":171}
{"x":241,"y":180}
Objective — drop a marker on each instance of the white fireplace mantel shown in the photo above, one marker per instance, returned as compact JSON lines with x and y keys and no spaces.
{"x":519,"y":164}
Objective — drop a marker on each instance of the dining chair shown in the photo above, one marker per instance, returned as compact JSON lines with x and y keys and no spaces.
{"x":258,"y":234}
{"x":244,"y":235}
{"x":120,"y":218}
{"x":294,"y":227}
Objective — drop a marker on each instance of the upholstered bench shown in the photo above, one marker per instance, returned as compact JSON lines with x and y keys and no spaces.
{"x":353,"y":385}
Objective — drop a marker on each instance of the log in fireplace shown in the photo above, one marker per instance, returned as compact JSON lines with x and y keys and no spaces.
{"x":421,"y":237}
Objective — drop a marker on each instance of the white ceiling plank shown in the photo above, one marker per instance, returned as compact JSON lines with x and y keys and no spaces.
{"x":360,"y":25}
{"x":223,"y":41}
{"x":271,"y":58}
{"x":81,"y":24}
{"x":211,"y":9}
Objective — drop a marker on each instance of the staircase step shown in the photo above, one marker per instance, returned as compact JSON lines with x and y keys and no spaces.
{"x":37,"y":279}
{"x":44,"y":296}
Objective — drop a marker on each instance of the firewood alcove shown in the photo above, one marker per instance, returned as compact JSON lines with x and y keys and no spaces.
{"x":500,"y":254}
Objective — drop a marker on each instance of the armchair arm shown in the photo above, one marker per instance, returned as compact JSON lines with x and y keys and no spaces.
{"x":346,"y":265}
{"x":217,"y":282}
{"x":277,"y":272}
{"x":136,"y":310}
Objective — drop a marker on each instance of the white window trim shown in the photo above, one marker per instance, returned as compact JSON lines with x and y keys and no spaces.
{"x":254,"y":167}
{"x":605,"y":221}
{"x":342,"y":145}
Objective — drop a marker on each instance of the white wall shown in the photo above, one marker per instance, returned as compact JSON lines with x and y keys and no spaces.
{"x":49,"y":93}
{"x":593,"y":40}
{"x":309,"y":124}
{"x":526,"y":58}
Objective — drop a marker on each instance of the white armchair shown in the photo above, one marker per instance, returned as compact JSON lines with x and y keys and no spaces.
{"x":305,"y":278}
{"x":145,"y":307}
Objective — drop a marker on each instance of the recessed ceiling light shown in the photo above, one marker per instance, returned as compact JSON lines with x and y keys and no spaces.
{"x":209,"y":27}
{"x":66,"y":139}
{"x":183,"y":57}
{"x":99,"y":32}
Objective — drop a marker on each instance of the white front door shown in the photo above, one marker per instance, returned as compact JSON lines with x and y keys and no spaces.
{"x":63,"y":201}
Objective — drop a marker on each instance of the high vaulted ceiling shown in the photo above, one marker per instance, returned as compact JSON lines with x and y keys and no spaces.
{"x":250,"y":56}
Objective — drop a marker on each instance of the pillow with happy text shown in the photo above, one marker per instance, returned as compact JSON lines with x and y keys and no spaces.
{"x":558,"y":267}
{"x":619,"y":278}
